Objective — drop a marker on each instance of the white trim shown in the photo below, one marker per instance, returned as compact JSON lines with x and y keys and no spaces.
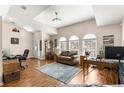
{"x":1,"y":83}
{"x":42,"y":58}
{"x":30,"y":56}
{"x":62,"y":39}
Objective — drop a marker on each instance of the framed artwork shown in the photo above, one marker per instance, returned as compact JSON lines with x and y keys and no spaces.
{"x":14,"y":40}
{"x":108,"y":40}
{"x":55,"y":41}
{"x":51,"y":43}
{"x":40,"y":45}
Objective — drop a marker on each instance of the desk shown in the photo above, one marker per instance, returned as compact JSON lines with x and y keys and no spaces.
{"x":11,"y":70}
{"x":10,"y":65}
{"x":100,"y":64}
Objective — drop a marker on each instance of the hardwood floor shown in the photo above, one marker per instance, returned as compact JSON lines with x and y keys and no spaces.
{"x":31,"y":77}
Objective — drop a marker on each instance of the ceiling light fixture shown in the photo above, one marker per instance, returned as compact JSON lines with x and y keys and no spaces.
{"x":23,"y":7}
{"x":56,"y":19}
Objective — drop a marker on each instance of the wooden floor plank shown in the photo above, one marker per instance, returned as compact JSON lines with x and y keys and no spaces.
{"x":31,"y":77}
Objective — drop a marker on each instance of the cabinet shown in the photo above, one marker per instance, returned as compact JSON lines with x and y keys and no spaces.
{"x":11,"y":70}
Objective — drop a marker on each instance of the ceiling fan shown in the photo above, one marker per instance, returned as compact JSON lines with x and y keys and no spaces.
{"x":56,"y":19}
{"x":23,"y":7}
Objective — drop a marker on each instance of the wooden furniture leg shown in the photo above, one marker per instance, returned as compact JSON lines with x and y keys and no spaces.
{"x":83,"y":72}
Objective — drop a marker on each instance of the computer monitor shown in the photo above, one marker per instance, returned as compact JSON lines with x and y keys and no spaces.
{"x":116,"y":52}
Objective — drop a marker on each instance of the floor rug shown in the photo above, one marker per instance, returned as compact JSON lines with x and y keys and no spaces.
{"x":61,"y":72}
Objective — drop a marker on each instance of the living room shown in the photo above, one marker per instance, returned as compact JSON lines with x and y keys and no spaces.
{"x":61,"y":39}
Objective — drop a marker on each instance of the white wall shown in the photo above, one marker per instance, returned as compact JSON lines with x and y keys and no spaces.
{"x":37,"y":36}
{"x":123,"y":32}
{"x":36,"y":46}
{"x":25,"y":40}
{"x":90,"y":27}
{"x":1,"y":65}
{"x":48,"y":29}
{"x":44,"y":37}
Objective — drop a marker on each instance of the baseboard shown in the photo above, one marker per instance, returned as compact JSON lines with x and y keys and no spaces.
{"x":42,"y":58}
{"x":1,"y":83}
{"x":36,"y":58}
{"x":31,"y":57}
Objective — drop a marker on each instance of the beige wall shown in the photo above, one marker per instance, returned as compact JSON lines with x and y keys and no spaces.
{"x":1,"y":65}
{"x":25,"y":40}
{"x":90,"y":27}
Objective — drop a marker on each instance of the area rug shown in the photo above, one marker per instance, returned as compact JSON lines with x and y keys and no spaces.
{"x":61,"y":72}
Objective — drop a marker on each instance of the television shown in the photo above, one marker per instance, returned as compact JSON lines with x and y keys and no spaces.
{"x":114,"y":52}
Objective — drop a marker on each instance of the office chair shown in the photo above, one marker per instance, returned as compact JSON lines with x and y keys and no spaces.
{"x":23,"y":58}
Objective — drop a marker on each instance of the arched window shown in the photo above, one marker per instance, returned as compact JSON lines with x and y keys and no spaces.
{"x":89,"y":45}
{"x":73,"y":43}
{"x":63,"y":44}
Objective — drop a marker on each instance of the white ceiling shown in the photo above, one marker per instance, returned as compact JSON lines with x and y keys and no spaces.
{"x":108,"y":14}
{"x":5,"y":8}
{"x":38,"y":17}
{"x":68,"y":14}
{"x":30,"y":12}
{"x":24,"y":18}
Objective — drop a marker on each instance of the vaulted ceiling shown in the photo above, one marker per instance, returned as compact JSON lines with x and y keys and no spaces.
{"x":36,"y":17}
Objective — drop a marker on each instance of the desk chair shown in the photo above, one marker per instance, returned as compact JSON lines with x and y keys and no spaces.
{"x":23,"y":58}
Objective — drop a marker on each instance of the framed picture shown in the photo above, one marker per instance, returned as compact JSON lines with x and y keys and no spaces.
{"x":108,"y":40}
{"x":40,"y":45}
{"x":14,"y":40}
{"x":55,"y":41}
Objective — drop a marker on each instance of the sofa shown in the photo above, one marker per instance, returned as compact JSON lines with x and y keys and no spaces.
{"x":68,"y":57}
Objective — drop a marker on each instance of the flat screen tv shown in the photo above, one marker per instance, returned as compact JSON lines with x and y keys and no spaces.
{"x":116,"y":52}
